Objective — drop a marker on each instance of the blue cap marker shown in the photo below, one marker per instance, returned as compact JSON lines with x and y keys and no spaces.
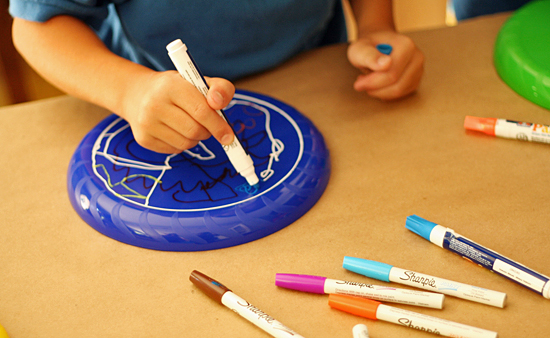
{"x":487,"y":258}
{"x":420,"y":226}
{"x":384,"y":48}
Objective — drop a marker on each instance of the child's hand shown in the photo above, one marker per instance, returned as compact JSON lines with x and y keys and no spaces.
{"x":168,"y":114}
{"x":386,"y":77}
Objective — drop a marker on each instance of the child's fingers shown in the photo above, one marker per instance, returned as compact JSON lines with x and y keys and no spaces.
{"x":194,"y":104}
{"x":407,"y":83}
{"x":363,"y":54}
{"x":220,"y":93}
{"x":164,"y":140}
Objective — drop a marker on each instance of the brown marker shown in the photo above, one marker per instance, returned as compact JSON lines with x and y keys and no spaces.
{"x":223,"y":295}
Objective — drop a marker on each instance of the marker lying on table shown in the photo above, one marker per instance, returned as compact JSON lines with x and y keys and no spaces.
{"x":323,"y":285}
{"x":390,"y":273}
{"x":360,"y":331}
{"x":223,"y":295}
{"x":375,"y":310}
{"x":448,"y":239}
{"x":524,"y":131}
{"x":189,"y":70}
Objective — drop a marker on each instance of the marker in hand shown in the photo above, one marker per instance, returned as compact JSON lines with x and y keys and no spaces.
{"x":384,"y":48}
{"x":241,"y":161}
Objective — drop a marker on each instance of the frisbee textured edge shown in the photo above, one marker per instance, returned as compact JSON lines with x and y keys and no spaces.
{"x":195,"y":200}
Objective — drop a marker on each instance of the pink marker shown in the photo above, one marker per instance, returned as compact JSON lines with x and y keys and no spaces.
{"x":323,"y":285}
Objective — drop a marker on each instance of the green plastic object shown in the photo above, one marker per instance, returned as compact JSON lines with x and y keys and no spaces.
{"x":522,"y":52}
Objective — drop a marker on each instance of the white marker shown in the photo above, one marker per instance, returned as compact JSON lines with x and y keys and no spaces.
{"x":360,"y":331}
{"x":188,"y":69}
{"x":372,"y":309}
{"x":390,"y":273}
{"x":323,"y":285}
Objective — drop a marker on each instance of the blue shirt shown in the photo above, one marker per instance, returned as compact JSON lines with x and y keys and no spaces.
{"x":227,"y":38}
{"x":466,"y":9}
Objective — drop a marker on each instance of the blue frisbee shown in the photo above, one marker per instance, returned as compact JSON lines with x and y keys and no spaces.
{"x":195,"y":200}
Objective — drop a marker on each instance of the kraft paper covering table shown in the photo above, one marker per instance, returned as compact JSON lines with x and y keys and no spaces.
{"x":61,"y":278}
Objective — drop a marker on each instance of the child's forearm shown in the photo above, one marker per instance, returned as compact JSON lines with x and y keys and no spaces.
{"x":67,"y":53}
{"x":167,"y":114}
{"x":372,"y":15}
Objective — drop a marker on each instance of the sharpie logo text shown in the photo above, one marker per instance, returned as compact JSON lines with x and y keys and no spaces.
{"x":411,"y":276}
{"x":264,"y":316}
{"x":409,"y":323}
{"x":256,"y":311}
{"x":360,"y":285}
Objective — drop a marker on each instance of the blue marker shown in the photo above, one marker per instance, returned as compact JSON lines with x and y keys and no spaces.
{"x":389,"y":273}
{"x":448,"y":239}
{"x":384,"y":48}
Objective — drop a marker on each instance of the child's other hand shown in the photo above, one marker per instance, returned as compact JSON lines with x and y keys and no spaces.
{"x":168,"y":114}
{"x":386,"y":77}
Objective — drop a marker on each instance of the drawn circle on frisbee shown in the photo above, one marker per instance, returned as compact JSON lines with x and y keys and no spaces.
{"x":195,"y":200}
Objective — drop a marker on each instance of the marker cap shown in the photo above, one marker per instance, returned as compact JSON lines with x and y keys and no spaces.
{"x":384,"y":48}
{"x":420,"y":226}
{"x":372,"y":269}
{"x":175,"y":45}
{"x":358,"y":306}
{"x":209,"y":286}
{"x":305,"y":283}
{"x":483,"y":124}
{"x":360,"y":331}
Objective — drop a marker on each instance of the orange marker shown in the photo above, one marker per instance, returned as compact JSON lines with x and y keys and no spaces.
{"x":524,"y":131}
{"x":375,"y":310}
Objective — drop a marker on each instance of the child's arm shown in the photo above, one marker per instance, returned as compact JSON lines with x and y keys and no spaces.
{"x":385,"y":77}
{"x":167,"y":114}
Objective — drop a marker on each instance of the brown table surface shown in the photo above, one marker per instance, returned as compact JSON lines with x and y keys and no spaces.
{"x":61,"y":278}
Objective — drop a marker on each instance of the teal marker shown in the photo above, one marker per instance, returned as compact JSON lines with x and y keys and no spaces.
{"x":390,"y":273}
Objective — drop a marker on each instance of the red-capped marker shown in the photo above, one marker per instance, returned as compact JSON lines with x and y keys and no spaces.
{"x":523,"y":131}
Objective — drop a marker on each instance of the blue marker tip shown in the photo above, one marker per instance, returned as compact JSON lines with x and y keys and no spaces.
{"x":384,"y":48}
{"x":420,"y":226}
